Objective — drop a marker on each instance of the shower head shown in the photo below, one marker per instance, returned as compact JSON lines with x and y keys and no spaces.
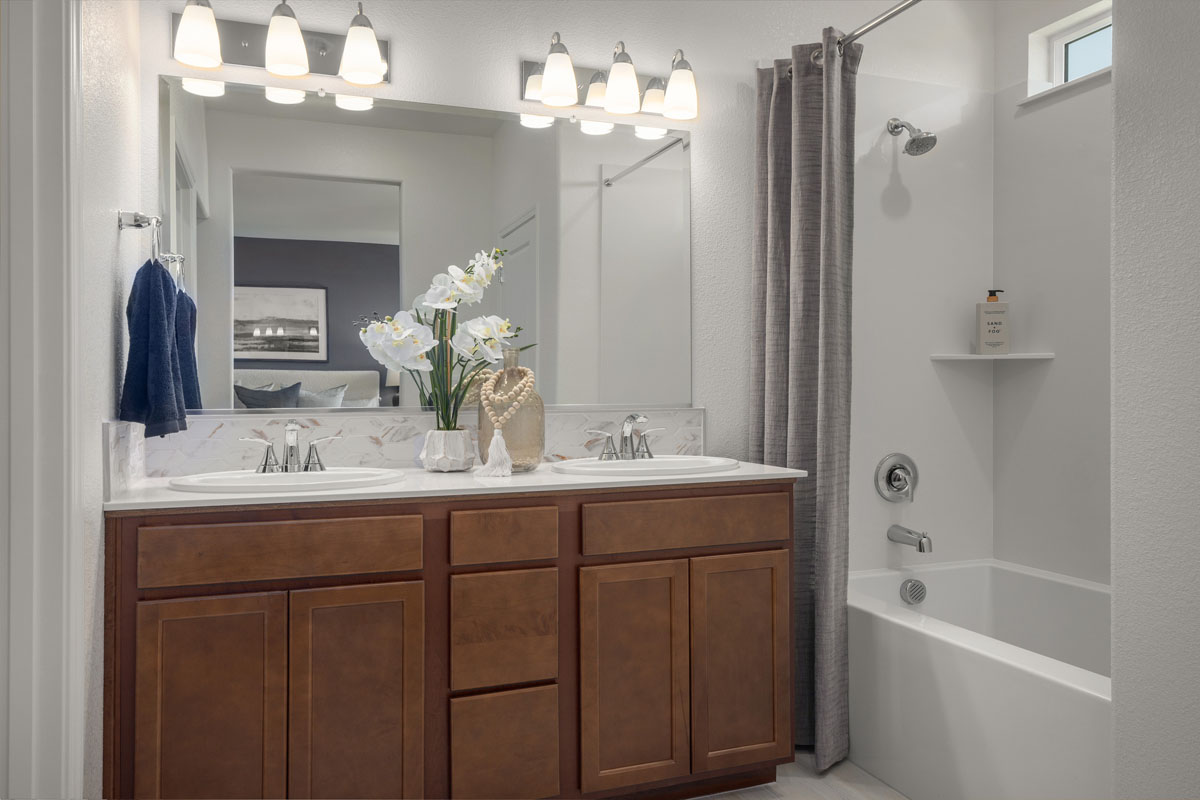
{"x":920,"y":142}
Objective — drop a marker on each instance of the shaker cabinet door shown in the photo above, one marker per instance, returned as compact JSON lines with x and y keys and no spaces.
{"x":633,"y":660}
{"x":357,"y":692}
{"x":211,"y":697}
{"x":741,"y":660}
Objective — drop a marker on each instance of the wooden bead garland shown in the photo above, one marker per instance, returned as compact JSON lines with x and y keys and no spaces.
{"x":488,"y":397}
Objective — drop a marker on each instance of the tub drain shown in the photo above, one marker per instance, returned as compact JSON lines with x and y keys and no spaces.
{"x":912,"y":591}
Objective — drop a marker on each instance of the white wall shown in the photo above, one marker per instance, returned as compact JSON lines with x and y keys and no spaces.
{"x":1156,"y":399}
{"x":1053,"y":179}
{"x":316,"y":209}
{"x":110,"y":128}
{"x":445,"y":194}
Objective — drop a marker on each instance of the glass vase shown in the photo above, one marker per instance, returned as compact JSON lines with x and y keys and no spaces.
{"x":525,"y":431}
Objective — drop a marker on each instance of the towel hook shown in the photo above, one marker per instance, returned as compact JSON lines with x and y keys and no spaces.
{"x":136,"y":219}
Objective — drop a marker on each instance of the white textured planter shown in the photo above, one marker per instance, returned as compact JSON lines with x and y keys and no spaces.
{"x":448,"y":451}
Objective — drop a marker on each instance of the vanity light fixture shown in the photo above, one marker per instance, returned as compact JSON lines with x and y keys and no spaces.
{"x":286,"y":97}
{"x":287,"y":55}
{"x":533,"y":84}
{"x":595,"y":92}
{"x":680,"y":101}
{"x":652,"y":100}
{"x":362,"y":63}
{"x":650,"y":133}
{"x":536,"y":121}
{"x":204,"y":88}
{"x":622,"y":95}
{"x":559,"y":87}
{"x":353,"y":102}
{"x":594,"y":128}
{"x":197,"y":43}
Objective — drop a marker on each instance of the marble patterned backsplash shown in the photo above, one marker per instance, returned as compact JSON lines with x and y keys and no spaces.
{"x":384,"y":439}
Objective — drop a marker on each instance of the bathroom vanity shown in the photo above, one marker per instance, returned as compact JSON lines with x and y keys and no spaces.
{"x":553,"y":636}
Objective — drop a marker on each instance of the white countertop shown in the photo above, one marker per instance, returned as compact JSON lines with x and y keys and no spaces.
{"x":154,"y":493}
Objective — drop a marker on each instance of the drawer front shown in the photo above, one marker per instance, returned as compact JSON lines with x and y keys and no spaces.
{"x":493,"y":536}
{"x":503,"y":628}
{"x":505,"y":744}
{"x":195,"y":555}
{"x":642,"y":525}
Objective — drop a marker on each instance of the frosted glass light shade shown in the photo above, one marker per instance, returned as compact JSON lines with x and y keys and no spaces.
{"x":645,"y":132}
{"x":622,"y":95}
{"x":652,"y":100}
{"x":353,"y":102}
{"x":596,"y":91}
{"x":559,"y":87}
{"x":204,"y":88}
{"x":680,"y":101}
{"x":595,"y":128}
{"x":536,"y":121}
{"x":287,"y":55}
{"x":197,"y":43}
{"x":361,"y":63}
{"x":286,"y":97}
{"x":533,"y":86}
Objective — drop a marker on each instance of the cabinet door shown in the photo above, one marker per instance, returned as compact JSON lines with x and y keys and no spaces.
{"x":356,"y":694}
{"x":633,"y":660}
{"x":504,"y":744}
{"x":211,"y":697}
{"x":741,"y":660}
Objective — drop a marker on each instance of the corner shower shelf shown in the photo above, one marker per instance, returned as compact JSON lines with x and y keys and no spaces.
{"x":1005,"y":357}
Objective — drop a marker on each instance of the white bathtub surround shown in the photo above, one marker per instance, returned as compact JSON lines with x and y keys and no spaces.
{"x":384,"y":439}
{"x":995,"y":686}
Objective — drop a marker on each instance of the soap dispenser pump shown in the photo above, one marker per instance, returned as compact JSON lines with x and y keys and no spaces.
{"x":991,"y":322}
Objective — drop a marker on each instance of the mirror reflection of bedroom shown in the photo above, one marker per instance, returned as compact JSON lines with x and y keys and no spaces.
{"x":311,"y":256}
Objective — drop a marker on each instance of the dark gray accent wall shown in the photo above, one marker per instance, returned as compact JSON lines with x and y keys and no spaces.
{"x":357,"y":278}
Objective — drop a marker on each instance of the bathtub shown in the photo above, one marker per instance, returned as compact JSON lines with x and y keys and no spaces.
{"x":995,"y":686}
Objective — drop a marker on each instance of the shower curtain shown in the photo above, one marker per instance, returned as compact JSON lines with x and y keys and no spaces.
{"x":804,"y":218}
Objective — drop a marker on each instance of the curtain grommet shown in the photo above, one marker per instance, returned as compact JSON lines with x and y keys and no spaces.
{"x":818,"y":57}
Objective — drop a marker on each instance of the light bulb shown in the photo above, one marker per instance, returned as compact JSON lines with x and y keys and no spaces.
{"x":536,"y":121}
{"x":644,"y":132}
{"x":203,"y":87}
{"x":533,"y":84}
{"x":559,"y":87}
{"x":287,"y":97}
{"x":680,"y":101}
{"x":362,"y":63}
{"x":197,"y":43}
{"x":353,"y":102}
{"x":594,"y":128}
{"x":287,"y":55}
{"x":622,"y":96}
{"x":312,"y":331}
{"x":652,"y":100}
{"x":595,"y":92}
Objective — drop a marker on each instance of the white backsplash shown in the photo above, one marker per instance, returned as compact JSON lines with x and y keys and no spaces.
{"x":384,"y":439}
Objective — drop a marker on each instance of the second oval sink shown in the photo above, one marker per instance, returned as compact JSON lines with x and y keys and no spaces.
{"x":246,"y":480}
{"x":659,"y":465}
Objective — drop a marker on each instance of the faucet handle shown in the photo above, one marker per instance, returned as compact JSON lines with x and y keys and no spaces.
{"x":269,"y":462}
{"x":610,"y":448}
{"x":643,"y":448}
{"x":312,"y":462}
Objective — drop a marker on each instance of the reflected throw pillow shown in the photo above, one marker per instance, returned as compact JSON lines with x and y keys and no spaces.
{"x":326,"y":398}
{"x":287,"y":397}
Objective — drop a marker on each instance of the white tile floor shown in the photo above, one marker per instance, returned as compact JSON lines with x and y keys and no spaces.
{"x":800,"y":781}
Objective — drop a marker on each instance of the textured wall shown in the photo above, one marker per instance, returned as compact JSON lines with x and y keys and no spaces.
{"x":1156,"y":399}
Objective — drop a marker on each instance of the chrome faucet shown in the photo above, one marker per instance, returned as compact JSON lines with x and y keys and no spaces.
{"x":291,"y":452}
{"x":291,"y":446}
{"x":628,"y":451}
{"x":917,"y":539}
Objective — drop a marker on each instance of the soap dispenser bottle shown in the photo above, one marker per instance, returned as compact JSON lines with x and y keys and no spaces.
{"x":991,"y":322}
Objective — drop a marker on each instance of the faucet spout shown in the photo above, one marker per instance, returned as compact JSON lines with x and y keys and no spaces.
{"x":902,"y":535}
{"x":627,"y":448}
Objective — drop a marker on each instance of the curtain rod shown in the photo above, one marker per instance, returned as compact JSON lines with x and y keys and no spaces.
{"x":875,"y":23}
{"x":642,"y":163}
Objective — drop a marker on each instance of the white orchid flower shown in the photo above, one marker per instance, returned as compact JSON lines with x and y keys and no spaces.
{"x":470,"y":290}
{"x":375,"y":332}
{"x":464,"y":343}
{"x":442,"y":293}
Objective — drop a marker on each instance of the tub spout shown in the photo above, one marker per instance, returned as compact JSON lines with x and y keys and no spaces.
{"x":917,"y":539}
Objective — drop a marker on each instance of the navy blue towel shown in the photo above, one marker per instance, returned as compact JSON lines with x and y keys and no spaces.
{"x":153,"y":390}
{"x":185,"y":343}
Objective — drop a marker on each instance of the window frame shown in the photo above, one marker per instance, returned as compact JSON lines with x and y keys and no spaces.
{"x":1060,"y":41}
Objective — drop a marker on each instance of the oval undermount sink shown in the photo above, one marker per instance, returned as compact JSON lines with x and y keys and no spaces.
{"x":245,"y":480}
{"x":659,"y":465}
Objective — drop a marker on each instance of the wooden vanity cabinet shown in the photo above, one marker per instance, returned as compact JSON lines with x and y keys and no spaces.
{"x":574,"y":644}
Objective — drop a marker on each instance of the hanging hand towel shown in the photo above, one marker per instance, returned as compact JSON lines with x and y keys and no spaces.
{"x":185,"y":343}
{"x":153,"y":390}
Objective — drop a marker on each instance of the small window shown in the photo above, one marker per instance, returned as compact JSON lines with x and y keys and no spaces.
{"x":1088,"y":53}
{"x":1072,"y":48}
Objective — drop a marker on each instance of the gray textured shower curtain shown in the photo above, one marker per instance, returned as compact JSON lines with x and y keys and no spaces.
{"x":804,"y":220}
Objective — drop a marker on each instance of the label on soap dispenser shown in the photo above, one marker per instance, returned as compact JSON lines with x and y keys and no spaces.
{"x":992,"y":325}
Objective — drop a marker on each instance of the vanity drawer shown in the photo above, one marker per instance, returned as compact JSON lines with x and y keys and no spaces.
{"x":195,"y":555}
{"x":496,"y":535}
{"x":636,"y":526}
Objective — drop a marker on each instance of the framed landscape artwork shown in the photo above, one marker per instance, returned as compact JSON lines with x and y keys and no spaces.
{"x":279,"y":324}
